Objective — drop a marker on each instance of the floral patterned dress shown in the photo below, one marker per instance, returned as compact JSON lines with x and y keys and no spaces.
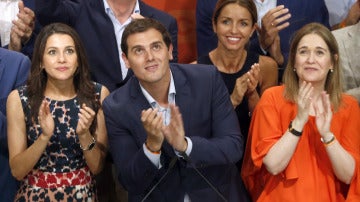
{"x":61,"y":174}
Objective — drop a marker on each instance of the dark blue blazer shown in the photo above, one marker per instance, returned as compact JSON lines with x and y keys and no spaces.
{"x":96,"y":30}
{"x":209,"y":121}
{"x":14,"y":69}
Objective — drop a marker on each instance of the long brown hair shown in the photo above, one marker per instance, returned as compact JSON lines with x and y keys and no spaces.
{"x":37,"y":81}
{"x":248,"y":4}
{"x":333,"y":83}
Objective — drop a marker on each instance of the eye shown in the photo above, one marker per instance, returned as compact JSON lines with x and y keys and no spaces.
{"x":319,"y":53}
{"x":303,"y":52}
{"x":226,"y":22}
{"x":243,"y":24}
{"x":51,"y":52}
{"x":69,"y":51}
{"x":156,"y":47}
{"x":138,"y":51}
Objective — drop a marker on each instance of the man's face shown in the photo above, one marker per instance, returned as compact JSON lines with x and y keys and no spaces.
{"x":148,"y":57}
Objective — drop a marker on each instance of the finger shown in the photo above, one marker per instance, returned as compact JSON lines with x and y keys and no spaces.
{"x":29,"y":12}
{"x":25,"y":19}
{"x":326,"y":102}
{"x":15,"y":32}
{"x":176,"y":116}
{"x":145,"y":114}
{"x":281,"y":16}
{"x":21,"y":6}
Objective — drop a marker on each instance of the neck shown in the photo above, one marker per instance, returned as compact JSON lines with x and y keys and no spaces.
{"x":159,"y":90}
{"x":122,"y":8}
{"x":60,"y":90}
{"x":228,"y":61}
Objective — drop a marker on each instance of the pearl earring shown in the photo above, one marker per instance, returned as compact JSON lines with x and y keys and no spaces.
{"x":331,"y":70}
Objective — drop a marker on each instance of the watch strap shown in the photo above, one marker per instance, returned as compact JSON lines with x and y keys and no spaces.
{"x":293,"y":131}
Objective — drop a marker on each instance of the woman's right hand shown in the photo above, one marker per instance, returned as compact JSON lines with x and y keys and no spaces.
{"x":46,"y":120}
{"x":303,"y":101}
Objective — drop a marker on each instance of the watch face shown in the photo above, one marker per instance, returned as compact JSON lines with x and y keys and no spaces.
{"x":91,"y":145}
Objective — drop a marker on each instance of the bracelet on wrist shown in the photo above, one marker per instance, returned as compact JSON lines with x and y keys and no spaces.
{"x":342,"y":24}
{"x":293,"y":131}
{"x":152,"y":151}
{"x":90,"y":146}
{"x":329,"y":142}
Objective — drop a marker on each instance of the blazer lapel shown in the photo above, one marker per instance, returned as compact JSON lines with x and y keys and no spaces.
{"x":144,"y":10}
{"x":183,"y":92}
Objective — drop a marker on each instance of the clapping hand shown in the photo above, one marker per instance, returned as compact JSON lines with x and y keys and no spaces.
{"x":45,"y":119}
{"x":86,"y":117}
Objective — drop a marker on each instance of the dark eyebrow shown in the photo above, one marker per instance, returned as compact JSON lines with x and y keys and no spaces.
{"x":136,"y":47}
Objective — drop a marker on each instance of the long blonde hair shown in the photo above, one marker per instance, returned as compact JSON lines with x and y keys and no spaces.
{"x":333,"y":83}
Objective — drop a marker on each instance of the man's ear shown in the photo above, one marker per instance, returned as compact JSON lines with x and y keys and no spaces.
{"x":170,"y":52}
{"x":124,"y":57}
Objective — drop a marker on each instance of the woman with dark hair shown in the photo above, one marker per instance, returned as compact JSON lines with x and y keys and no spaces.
{"x":246,"y":73}
{"x":58,"y":141}
{"x":304,"y":142}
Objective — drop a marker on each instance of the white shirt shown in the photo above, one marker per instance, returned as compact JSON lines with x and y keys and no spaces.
{"x":119,"y":29}
{"x":8,"y":11}
{"x":338,"y":10}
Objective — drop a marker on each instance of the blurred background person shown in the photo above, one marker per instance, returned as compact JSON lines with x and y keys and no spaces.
{"x":348,"y":39}
{"x":343,"y":13}
{"x":14,"y":70}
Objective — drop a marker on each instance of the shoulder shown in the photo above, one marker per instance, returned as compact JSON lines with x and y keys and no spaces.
{"x":267,"y":61}
{"x":151,"y":12}
{"x":349,"y":101}
{"x":205,"y":59}
{"x":194,"y":70}
{"x":10,"y":56}
{"x":121,"y":95}
{"x":274,"y":92}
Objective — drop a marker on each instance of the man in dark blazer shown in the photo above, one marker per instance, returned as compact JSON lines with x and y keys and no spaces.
{"x":171,"y":121}
{"x":14,"y":70}
{"x":96,"y":30}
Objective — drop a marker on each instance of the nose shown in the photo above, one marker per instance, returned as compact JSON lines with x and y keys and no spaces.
{"x":234,"y":28}
{"x":150,"y":55}
{"x":311,"y":57}
{"x":61,"y":57}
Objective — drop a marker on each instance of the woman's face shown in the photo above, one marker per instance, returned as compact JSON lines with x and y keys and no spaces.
{"x":313,"y":59}
{"x":60,"y":58}
{"x":234,"y":27}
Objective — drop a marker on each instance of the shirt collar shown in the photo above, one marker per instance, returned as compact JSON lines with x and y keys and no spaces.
{"x":108,"y":9}
{"x":171,"y":95}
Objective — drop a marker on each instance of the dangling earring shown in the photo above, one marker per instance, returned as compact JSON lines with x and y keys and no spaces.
{"x":331,"y":70}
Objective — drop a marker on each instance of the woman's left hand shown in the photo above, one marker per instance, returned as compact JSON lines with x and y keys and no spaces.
{"x":323,"y":114}
{"x":253,"y":78}
{"x":86,"y":117}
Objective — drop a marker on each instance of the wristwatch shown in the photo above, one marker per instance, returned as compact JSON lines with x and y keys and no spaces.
{"x":293,"y":131}
{"x":90,"y":146}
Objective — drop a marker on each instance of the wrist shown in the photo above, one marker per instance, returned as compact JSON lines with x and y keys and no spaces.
{"x":295,"y":128}
{"x":184,"y":147}
{"x":153,"y":149}
{"x":328,"y":138}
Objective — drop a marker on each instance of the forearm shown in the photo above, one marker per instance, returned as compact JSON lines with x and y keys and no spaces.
{"x":280,"y":154}
{"x":253,"y":99}
{"x":342,"y":162}
{"x":25,"y":161}
{"x":95,"y":156}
